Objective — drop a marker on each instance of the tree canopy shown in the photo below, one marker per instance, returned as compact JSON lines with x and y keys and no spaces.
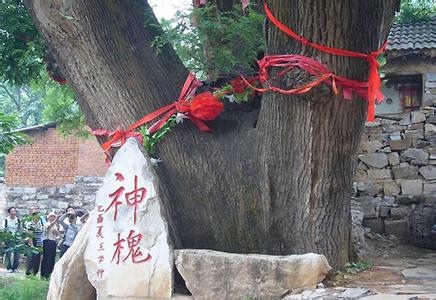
{"x":416,"y":10}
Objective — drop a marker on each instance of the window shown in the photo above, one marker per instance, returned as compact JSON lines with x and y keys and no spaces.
{"x":409,"y":91}
{"x":410,"y":95}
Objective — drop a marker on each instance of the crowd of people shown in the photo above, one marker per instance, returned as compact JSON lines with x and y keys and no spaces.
{"x":46,"y":233}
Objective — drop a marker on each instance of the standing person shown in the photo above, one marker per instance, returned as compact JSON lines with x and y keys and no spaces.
{"x":51,"y":234}
{"x":70,"y":229}
{"x":34,"y":259}
{"x":12,"y":224}
{"x":34,"y":209}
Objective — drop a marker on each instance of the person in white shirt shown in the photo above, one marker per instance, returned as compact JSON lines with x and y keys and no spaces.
{"x":51,"y":234}
{"x":12,"y":224}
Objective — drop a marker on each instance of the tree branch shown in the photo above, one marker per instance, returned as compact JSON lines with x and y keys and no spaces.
{"x":16,"y":102}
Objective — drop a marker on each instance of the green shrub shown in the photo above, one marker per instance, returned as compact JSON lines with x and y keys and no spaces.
{"x":29,"y":288}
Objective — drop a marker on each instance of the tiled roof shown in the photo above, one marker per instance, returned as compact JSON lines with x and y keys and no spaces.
{"x":413,"y":36}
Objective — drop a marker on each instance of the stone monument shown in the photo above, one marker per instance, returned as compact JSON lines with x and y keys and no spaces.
{"x":128,"y":255}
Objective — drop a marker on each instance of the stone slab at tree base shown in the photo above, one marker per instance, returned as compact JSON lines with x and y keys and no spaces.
{"x":218,"y":275}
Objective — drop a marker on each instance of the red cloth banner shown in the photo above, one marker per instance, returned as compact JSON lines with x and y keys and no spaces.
{"x":374,"y":82}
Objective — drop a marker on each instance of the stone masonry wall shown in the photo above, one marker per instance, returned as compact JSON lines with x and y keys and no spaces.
{"x":396,"y":170}
{"x":80,"y":194}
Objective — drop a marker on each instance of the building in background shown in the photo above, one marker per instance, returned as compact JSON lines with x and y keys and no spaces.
{"x":410,"y":69}
{"x":52,"y":171}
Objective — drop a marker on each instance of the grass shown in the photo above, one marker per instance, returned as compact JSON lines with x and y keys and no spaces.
{"x":27,"y":288}
{"x":353,"y":268}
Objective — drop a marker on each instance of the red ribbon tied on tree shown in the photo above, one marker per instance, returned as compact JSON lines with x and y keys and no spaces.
{"x":374,"y":82}
{"x":199,"y":108}
{"x":203,"y":107}
{"x":117,"y":138}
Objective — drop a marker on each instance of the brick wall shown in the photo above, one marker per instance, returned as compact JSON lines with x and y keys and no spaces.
{"x":53,"y":160}
{"x":91,"y":160}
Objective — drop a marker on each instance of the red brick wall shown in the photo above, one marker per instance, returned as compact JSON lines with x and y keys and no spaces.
{"x":91,"y":158}
{"x":52,"y":160}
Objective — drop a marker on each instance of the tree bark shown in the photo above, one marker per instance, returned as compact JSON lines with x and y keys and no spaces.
{"x":280,"y":187}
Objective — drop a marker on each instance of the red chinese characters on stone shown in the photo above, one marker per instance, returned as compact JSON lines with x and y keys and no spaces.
{"x":115,"y":195}
{"x":100,"y":272}
{"x":132,"y":198}
{"x":99,"y":231}
{"x":135,"y":197}
{"x":134,"y":251}
{"x":100,"y":218}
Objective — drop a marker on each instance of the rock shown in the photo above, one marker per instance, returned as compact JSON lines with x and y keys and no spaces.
{"x":432,"y":119}
{"x":400,"y":212}
{"x":379,"y":174}
{"x":353,"y":293}
{"x":417,"y":117}
{"x":420,"y":144}
{"x":376,"y":225}
{"x":405,"y":121}
{"x":418,"y":126}
{"x":414,"y":134}
{"x":387,"y":201}
{"x":383,"y":211}
{"x":430,"y":130}
{"x":361,"y":175}
{"x":369,"y":206}
{"x":391,"y":188}
{"x":432,"y":140}
{"x":411,"y":187}
{"x":376,"y":160}
{"x":400,"y":144}
{"x":422,"y":219}
{"x":218,"y":275}
{"x":430,"y":198}
{"x":410,"y":199}
{"x":404,"y":170}
{"x":393,"y":158}
{"x":373,"y":146}
{"x":416,"y":157}
{"x":428,"y":172}
{"x":399,"y":228}
{"x":367,"y":188}
{"x":142,"y":260}
{"x":395,"y":136}
{"x":361,"y":166}
{"x":386,"y":150}
{"x":68,"y":280}
{"x":419,"y":273}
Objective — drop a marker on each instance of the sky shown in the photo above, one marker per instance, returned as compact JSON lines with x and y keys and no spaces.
{"x":167,"y":8}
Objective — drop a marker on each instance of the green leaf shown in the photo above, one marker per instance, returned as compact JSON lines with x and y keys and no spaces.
{"x":381,"y":59}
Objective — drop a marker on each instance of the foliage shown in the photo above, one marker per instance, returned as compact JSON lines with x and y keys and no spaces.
{"x":213,"y":43}
{"x":61,"y":107}
{"x":356,"y":267}
{"x":21,"y":47}
{"x":416,"y":10}
{"x":14,"y":241}
{"x":28,"y":288}
{"x":8,"y":137}
{"x":150,"y":140}
{"x":26,"y":89}
{"x":22,"y":101}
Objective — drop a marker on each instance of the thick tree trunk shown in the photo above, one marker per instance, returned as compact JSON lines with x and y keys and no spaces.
{"x":280,"y":187}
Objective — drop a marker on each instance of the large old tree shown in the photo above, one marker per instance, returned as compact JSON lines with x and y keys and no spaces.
{"x":273,"y":180}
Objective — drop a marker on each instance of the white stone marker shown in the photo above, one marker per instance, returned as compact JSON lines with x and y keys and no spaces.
{"x":128,"y":255}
